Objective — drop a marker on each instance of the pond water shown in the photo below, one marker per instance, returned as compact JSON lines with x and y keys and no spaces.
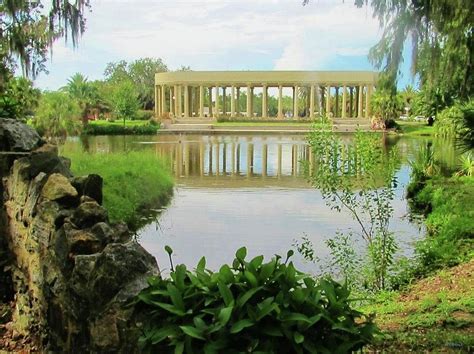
{"x":248,"y":190}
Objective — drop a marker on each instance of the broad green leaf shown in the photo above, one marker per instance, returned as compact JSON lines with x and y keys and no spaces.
{"x":192,"y":332}
{"x":176,"y":297}
{"x":251,"y":278}
{"x":224,"y":315}
{"x":241,"y":254}
{"x":246,"y":297}
{"x":226,"y":274}
{"x":161,"y":334}
{"x":179,"y":349}
{"x":296,"y":317}
{"x":240,"y":325}
{"x":272,"y":330}
{"x":202,"y":264}
{"x":225,"y":293}
{"x":299,"y":338}
{"x":199,"y":323}
{"x":169,"y":308}
{"x":267,"y":270}
{"x":256,"y":262}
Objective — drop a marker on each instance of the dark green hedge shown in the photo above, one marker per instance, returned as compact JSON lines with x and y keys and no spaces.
{"x":115,"y":129}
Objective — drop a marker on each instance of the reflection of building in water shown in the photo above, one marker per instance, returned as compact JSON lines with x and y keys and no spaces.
{"x":236,"y":156}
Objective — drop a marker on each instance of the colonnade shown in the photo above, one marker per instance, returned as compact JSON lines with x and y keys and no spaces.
{"x":313,"y":94}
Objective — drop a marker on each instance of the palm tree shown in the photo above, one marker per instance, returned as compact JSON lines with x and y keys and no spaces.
{"x":85,"y":94}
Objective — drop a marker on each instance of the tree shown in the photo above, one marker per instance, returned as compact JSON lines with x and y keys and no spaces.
{"x":57,"y":115}
{"x":124,"y":101}
{"x":27,"y":32}
{"x":141,"y":72}
{"x":85,"y":94}
{"x":442,"y":39}
{"x":19,"y":99}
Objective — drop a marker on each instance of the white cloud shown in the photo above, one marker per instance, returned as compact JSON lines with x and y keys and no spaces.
{"x":215,"y":34}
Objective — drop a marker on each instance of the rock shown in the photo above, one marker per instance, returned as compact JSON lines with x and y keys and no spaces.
{"x":104,"y":332}
{"x":58,"y":188}
{"x":104,"y":232}
{"x":118,"y":265}
{"x":80,"y":277}
{"x":88,"y":214}
{"x":47,"y":162}
{"x":82,"y":242}
{"x":16,"y":136}
{"x":90,"y":186}
{"x":121,"y":233}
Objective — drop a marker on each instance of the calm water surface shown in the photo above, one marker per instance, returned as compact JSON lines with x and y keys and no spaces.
{"x":246,"y":190}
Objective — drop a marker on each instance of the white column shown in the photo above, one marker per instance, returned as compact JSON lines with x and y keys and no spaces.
{"x":171,"y":101}
{"x":201,"y":101}
{"x":163,"y":101}
{"x":328,"y":101}
{"x":311,"y":102}
{"x":249,"y":101}
{"x":186,"y":101}
{"x":344,"y":101}
{"x":264,"y":102}
{"x":216,"y":114}
{"x":359,"y":99}
{"x":280,"y":101}
{"x":367,"y":101}
{"x":295,"y":101}
{"x":232,"y":102}
{"x":157,"y":108}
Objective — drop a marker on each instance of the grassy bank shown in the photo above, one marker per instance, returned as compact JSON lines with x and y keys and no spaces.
{"x":119,"y":127}
{"x":135,"y":183}
{"x":434,"y":315}
{"x":435,"y":312}
{"x":414,"y":128}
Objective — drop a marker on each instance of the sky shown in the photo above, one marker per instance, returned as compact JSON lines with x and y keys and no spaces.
{"x":219,"y":35}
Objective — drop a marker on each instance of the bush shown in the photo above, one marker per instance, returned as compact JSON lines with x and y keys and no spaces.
{"x":449,"y":122}
{"x":249,"y":307}
{"x":144,"y":115}
{"x":117,"y":129}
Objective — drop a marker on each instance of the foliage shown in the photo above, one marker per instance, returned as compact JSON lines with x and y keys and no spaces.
{"x":447,"y":203}
{"x":466,"y":134}
{"x":386,"y":106}
{"x":467,"y":165}
{"x":134,"y":183}
{"x":141,"y":72}
{"x":449,"y":122}
{"x":249,"y":307}
{"x":85,"y":94}
{"x":57,"y":115}
{"x":124,"y":101}
{"x":359,"y":179}
{"x":27,"y":32}
{"x":120,"y":129}
{"x":19,"y":99}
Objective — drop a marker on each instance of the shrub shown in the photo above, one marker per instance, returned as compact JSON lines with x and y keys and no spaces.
{"x":449,"y":122}
{"x":144,"y":115}
{"x":249,"y":307}
{"x":117,"y":129}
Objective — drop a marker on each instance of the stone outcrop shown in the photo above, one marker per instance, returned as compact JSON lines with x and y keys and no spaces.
{"x":72,"y":273}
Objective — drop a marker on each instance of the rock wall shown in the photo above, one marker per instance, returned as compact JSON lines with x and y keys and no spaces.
{"x":72,"y":273}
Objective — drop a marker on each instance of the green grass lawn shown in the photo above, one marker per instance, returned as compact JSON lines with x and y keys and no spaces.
{"x":414,"y":128}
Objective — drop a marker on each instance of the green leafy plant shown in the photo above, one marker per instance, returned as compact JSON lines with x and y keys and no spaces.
{"x":358,"y":178}
{"x":249,"y":307}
